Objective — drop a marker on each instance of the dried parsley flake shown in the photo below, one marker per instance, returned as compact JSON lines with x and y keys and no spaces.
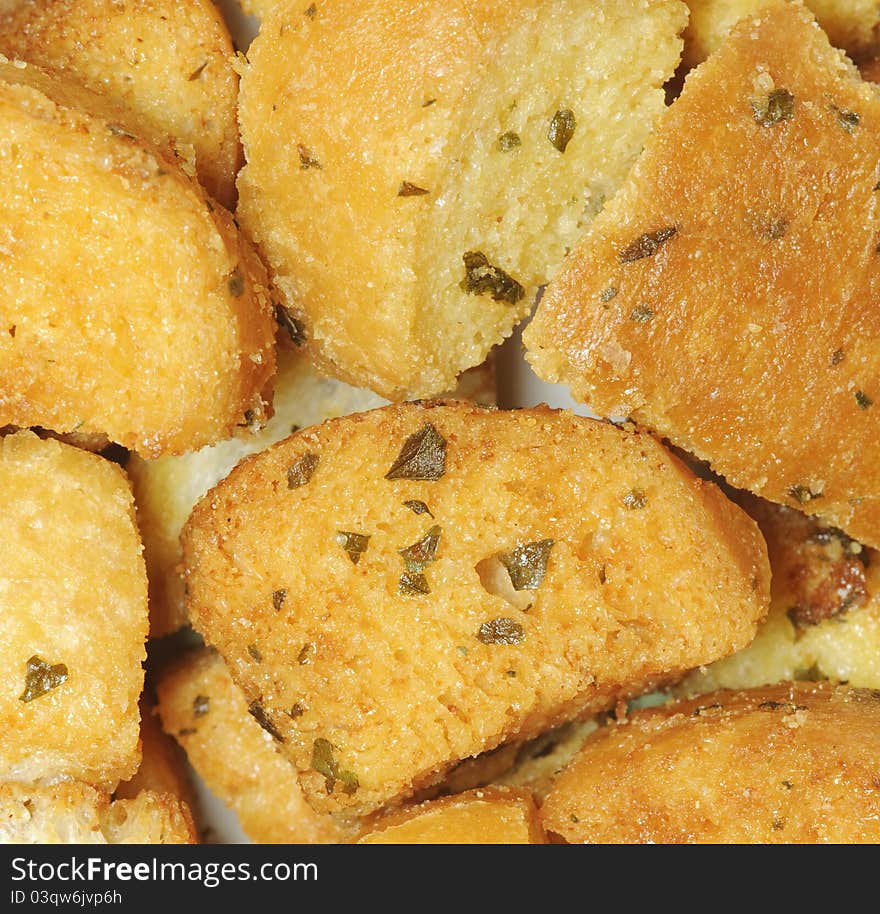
{"x":527,"y":564}
{"x":278,"y":598}
{"x":306,"y":159}
{"x":774,"y":108}
{"x":641,"y":314}
{"x":407,"y":189}
{"x":197,"y":72}
{"x":803,"y":495}
{"x":509,"y":141}
{"x":201,"y":704}
{"x":235,"y":283}
{"x":355,"y":544}
{"x":849,"y":120}
{"x":302,"y":471}
{"x":635,"y":499}
{"x":258,"y":712}
{"x":420,"y":554}
{"x":607,"y":294}
{"x":482,"y":277}
{"x":41,"y":677}
{"x":646,"y":245}
{"x":255,"y":652}
{"x":295,"y":328}
{"x":562,"y":127}
{"x":863,"y":400}
{"x":412,"y":584}
{"x":422,"y":457}
{"x":418,"y":507}
{"x":501,"y":631}
{"x":324,"y":763}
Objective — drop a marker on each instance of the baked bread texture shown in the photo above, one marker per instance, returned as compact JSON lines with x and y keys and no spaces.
{"x":725,"y":298}
{"x":133,"y":306}
{"x":73,"y":615}
{"x":824,"y":620}
{"x":71,"y":813}
{"x":403,"y":589}
{"x":792,"y":764}
{"x":168,"y":62}
{"x":490,"y":815}
{"x":853,"y":25}
{"x":208,"y":715}
{"x":411,"y":203}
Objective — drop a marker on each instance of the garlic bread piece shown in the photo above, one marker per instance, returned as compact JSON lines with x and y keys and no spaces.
{"x":787,"y":764}
{"x":203,"y":709}
{"x":72,"y":813}
{"x":489,"y":815}
{"x":403,"y":589}
{"x":726,"y":297}
{"x":169,"y":63}
{"x":73,"y":615}
{"x":133,"y":307}
{"x":411,"y":203}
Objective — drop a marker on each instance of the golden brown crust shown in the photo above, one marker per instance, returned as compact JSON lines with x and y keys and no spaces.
{"x":421,"y":680}
{"x":763,"y":237}
{"x":207,"y":713}
{"x":850,"y":24}
{"x":135,"y":309}
{"x":72,"y":813}
{"x":163,"y":764}
{"x":167,"y":62}
{"x":367,"y":185}
{"x":489,"y":815}
{"x":824,"y":619}
{"x":793,"y":763}
{"x":73,"y":592}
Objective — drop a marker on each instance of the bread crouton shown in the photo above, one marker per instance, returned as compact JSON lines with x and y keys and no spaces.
{"x":489,"y":815}
{"x":208,"y":715}
{"x":73,"y":615}
{"x":787,"y":764}
{"x":168,"y":62}
{"x":133,"y":307}
{"x":411,"y":203}
{"x":824,"y":620}
{"x":403,"y":589}
{"x":750,"y":219}
{"x":71,"y":813}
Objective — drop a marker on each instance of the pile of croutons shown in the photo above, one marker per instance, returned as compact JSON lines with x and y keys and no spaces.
{"x":263,"y":518}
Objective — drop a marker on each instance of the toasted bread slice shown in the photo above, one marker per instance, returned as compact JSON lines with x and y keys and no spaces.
{"x":73,"y":615}
{"x":787,"y":764}
{"x":853,"y":25}
{"x":412,"y":202}
{"x":71,"y":813}
{"x":133,"y":306}
{"x":489,"y":815}
{"x":824,"y":620}
{"x":166,"y":61}
{"x":401,"y":590}
{"x":762,"y":234}
{"x":208,"y":715}
{"x":163,"y":764}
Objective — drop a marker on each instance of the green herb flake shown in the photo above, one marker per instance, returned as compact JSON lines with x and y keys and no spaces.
{"x":635,"y":499}
{"x":418,"y":507}
{"x":509,"y":141}
{"x":201,"y":705}
{"x":603,"y":574}
{"x":278,"y":598}
{"x":295,"y":328}
{"x":462,"y":650}
{"x":41,"y":677}
{"x":355,"y":544}
{"x":324,"y":762}
{"x":258,"y":712}
{"x":501,"y":631}
{"x":562,"y":127}
{"x":302,"y":471}
{"x":646,"y":245}
{"x":607,"y":294}
{"x":527,"y":564}
{"x":306,"y":159}
{"x":296,"y":711}
{"x":254,"y":651}
{"x":641,"y":314}
{"x":413,"y":584}
{"x":197,"y":72}
{"x":849,"y":120}
{"x":422,"y":457}
{"x":574,"y":818}
{"x":235,"y":283}
{"x":302,"y":658}
{"x":408,"y":189}
{"x":803,"y":495}
{"x":863,"y":400}
{"x":482,"y":277}
{"x":774,"y":108}
{"x":420,"y":554}
{"x":117,"y":130}
{"x":837,"y":356}
{"x":775,"y":228}
{"x":511,"y":674}
{"x":428,"y":102}
{"x":311,"y":11}
{"x":787,"y":784}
